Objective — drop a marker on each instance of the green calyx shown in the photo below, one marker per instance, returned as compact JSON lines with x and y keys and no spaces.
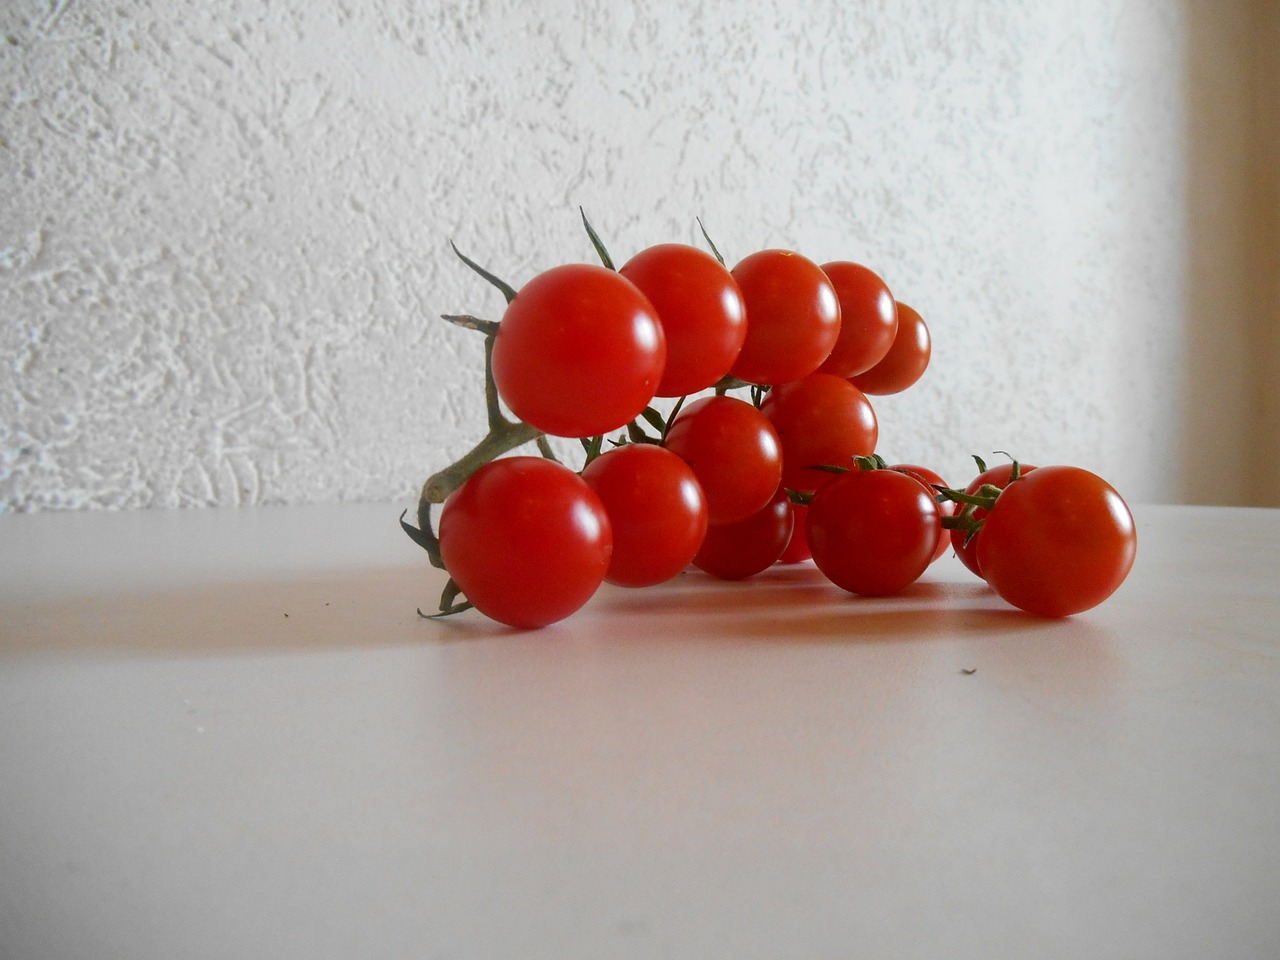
{"x":596,"y":242}
{"x":706,"y":236}
{"x":983,"y":498}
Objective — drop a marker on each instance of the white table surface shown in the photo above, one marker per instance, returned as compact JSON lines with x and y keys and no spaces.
{"x":227,"y":734}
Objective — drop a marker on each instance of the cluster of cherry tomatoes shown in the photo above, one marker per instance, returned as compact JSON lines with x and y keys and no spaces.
{"x":732,"y":484}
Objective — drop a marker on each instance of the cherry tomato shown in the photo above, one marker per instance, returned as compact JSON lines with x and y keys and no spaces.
{"x":701,"y":310}
{"x":928,"y":478}
{"x":656,"y":508}
{"x":735,"y":551}
{"x":868,"y":319}
{"x":797,"y":549}
{"x":821,"y":419}
{"x":906,"y":361}
{"x":965,"y":546}
{"x":873,"y":532}
{"x":526,"y":540}
{"x":793,"y":317}
{"x":1057,"y":542}
{"x":579,"y":352}
{"x":734,"y":453}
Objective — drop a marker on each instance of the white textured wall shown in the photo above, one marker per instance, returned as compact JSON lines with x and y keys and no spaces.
{"x":224,"y":226}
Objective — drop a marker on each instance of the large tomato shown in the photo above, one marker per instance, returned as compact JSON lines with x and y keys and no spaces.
{"x":821,"y":420}
{"x":793,"y":317}
{"x":701,"y":310}
{"x":734,"y":453}
{"x":1057,"y":541}
{"x":735,"y":551}
{"x":656,"y":508}
{"x":579,"y":352}
{"x":906,"y":361}
{"x":868,"y":319}
{"x":873,"y":532}
{"x":526,"y":540}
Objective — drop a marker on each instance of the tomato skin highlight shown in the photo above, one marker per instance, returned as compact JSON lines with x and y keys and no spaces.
{"x":701,"y":310}
{"x":930,"y":479}
{"x":526,"y":540}
{"x":906,"y":361}
{"x":868,"y":319}
{"x":793,"y":317}
{"x":873,"y":532}
{"x":820,"y":419}
{"x":579,"y":352}
{"x":734,"y":452}
{"x":1057,"y":542}
{"x":656,"y":508}
{"x":736,"y":551}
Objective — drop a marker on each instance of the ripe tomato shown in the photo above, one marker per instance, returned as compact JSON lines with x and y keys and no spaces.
{"x":797,"y":549}
{"x":733,"y":451}
{"x":793,"y":317}
{"x":579,"y":352}
{"x":868,"y":319}
{"x":928,"y":478}
{"x":735,"y":551}
{"x":965,"y":546}
{"x":701,"y":310}
{"x":656,"y":508}
{"x":820,"y":419}
{"x":906,"y":361}
{"x":873,"y":532}
{"x":1057,"y":542}
{"x":526,"y":540}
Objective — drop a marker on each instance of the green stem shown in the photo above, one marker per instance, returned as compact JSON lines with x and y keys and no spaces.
{"x":984,"y":497}
{"x":443,"y":482}
{"x":468,"y":322}
{"x":504,"y":435}
{"x":497,"y":442}
{"x":729,"y":382}
{"x":508,"y":291}
{"x":544,"y":448}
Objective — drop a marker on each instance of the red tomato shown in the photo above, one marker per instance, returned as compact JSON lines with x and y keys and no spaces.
{"x":797,"y":550}
{"x":965,"y":546}
{"x":906,"y":361}
{"x":734,"y":453}
{"x":701,"y":310}
{"x":1057,"y":542}
{"x":821,"y":419}
{"x":868,"y":319}
{"x":928,"y":478}
{"x":526,"y":540}
{"x":793,"y":317}
{"x":656,"y":508}
{"x":873,"y":532}
{"x":579,"y":352}
{"x":735,"y":551}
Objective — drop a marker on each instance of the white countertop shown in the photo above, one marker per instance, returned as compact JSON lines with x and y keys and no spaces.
{"x":228,"y":734}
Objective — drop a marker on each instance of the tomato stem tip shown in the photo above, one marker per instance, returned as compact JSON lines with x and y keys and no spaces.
{"x":507,"y":290}
{"x":706,"y":236}
{"x":596,"y":242}
{"x":468,"y":322}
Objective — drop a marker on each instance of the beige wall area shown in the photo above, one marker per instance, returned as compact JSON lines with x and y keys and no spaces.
{"x":1231,"y":422}
{"x":1265,"y":106}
